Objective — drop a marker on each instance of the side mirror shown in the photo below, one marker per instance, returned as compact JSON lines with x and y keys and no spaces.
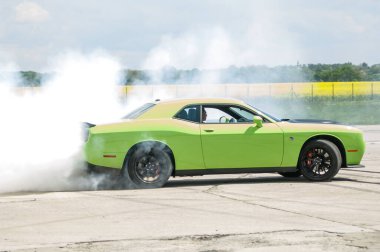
{"x":258,"y":121}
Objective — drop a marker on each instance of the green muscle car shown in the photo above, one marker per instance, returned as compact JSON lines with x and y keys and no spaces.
{"x":218,"y":136}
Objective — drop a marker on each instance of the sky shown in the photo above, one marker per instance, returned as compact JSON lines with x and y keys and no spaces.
{"x":190,"y":33}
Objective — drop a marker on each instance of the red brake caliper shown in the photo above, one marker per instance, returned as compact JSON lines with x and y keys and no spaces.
{"x":309,"y":155}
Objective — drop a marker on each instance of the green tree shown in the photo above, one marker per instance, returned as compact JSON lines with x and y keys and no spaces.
{"x":31,"y":78}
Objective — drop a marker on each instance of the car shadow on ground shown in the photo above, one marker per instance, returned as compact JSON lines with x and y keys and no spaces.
{"x":111,"y":184}
{"x":254,"y":180}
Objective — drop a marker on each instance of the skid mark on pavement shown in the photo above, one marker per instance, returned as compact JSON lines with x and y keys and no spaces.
{"x":214,"y":192}
{"x":291,"y":239}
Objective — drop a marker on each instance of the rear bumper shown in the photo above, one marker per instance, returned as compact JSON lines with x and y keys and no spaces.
{"x":102,"y":169}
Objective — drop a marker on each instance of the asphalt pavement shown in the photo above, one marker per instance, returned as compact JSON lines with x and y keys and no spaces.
{"x":244,"y":212}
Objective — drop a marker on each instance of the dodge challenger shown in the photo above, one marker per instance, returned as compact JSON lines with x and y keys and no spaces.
{"x":183,"y":137}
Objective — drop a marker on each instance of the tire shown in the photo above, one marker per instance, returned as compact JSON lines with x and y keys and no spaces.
{"x":295,"y":174}
{"x":320,"y":160}
{"x":149,"y":167}
{"x":90,"y":168}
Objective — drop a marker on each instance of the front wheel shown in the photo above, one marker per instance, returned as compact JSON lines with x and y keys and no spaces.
{"x":320,"y":160}
{"x":149,"y":167}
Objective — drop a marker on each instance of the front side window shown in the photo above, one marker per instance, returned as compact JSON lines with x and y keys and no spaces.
{"x":244,"y":115}
{"x":190,"y":113}
{"x":226,"y":114}
{"x":215,"y":115}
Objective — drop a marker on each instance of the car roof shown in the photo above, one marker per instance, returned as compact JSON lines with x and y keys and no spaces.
{"x":204,"y":100}
{"x":168,"y":108}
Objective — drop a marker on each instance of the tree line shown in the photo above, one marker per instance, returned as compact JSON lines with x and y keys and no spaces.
{"x":234,"y":74}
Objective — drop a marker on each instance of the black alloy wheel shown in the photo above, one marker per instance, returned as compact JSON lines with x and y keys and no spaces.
{"x":149,"y":167}
{"x":320,"y":160}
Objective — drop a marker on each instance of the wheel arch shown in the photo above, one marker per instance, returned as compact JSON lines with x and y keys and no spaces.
{"x":335,"y":140}
{"x":152,"y":144}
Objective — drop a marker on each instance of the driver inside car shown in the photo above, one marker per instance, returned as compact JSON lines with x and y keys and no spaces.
{"x":204,"y":114}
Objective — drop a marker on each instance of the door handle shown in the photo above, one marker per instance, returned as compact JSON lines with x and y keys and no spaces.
{"x":209,"y":130}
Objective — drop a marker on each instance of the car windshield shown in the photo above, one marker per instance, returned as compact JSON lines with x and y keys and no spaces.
{"x":139,"y":111}
{"x":265,"y":114}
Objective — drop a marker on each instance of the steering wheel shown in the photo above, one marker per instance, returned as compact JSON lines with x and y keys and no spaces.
{"x":225,"y":120}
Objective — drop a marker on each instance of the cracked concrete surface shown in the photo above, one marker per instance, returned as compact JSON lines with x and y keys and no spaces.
{"x":265,"y":212}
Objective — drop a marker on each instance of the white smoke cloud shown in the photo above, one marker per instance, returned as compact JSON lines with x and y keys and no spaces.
{"x":41,"y":131}
{"x":205,"y":49}
{"x":264,"y":42}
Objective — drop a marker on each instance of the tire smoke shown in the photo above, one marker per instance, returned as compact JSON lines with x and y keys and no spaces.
{"x":40,"y":131}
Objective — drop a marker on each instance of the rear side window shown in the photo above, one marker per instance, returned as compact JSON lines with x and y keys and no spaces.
{"x":139,"y":111}
{"x":189,"y":113}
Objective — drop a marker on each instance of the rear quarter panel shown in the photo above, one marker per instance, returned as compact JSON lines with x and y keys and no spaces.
{"x":181,"y":137}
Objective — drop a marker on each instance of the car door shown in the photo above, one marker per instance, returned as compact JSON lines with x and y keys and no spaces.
{"x":186,"y":141}
{"x":231,"y":140}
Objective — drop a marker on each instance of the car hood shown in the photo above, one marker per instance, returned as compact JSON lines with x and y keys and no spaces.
{"x":318,"y":126}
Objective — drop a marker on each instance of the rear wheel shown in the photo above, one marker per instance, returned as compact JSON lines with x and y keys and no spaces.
{"x":320,"y":160}
{"x":149,"y":167}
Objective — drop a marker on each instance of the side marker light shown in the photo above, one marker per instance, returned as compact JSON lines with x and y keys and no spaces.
{"x":352,"y":150}
{"x":109,"y":156}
